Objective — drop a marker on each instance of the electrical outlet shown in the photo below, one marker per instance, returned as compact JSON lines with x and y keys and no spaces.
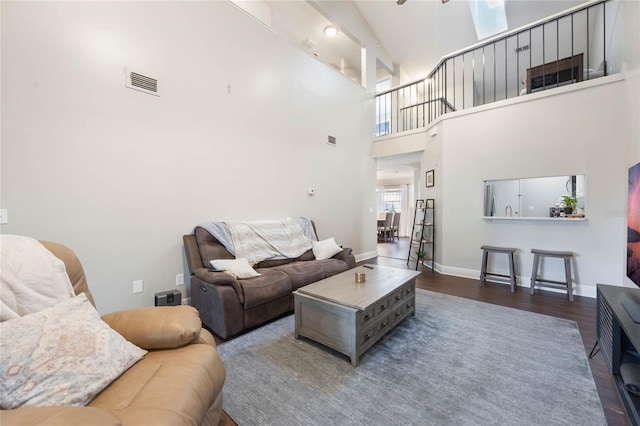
{"x":179,"y":279}
{"x":4,"y":216}
{"x":138,"y":286}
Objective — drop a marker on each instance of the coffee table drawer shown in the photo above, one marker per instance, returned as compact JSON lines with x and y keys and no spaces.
{"x":409,"y":303}
{"x":373,"y":313}
{"x":367,"y":337}
{"x":410,"y":289}
{"x":397,"y":313}
{"x":366,"y":317}
{"x":396,"y":298}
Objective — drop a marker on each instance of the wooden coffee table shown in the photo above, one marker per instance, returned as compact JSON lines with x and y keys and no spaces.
{"x":350,"y":317}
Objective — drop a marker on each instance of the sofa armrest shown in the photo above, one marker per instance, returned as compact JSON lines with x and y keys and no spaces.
{"x":58,"y":415}
{"x":160,"y":327}
{"x":205,"y":338}
{"x":220,"y":278}
{"x":346,"y":256}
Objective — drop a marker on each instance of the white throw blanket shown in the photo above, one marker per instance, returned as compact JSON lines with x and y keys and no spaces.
{"x":265,"y":239}
{"x":31,"y":277}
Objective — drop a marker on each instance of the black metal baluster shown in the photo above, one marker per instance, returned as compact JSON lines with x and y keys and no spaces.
{"x":604,"y":37}
{"x":588,"y":45}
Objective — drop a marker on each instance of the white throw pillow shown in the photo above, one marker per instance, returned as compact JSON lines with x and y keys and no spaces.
{"x":239,"y":268}
{"x":325,"y":249}
{"x":63,"y":355}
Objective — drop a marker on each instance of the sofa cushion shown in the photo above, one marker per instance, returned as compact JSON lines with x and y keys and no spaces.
{"x":167,"y":387}
{"x":303,"y":273}
{"x":332,"y":267}
{"x":270,"y":285}
{"x":63,"y":355}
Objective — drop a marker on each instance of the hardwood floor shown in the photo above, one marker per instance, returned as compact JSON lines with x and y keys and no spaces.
{"x":582,"y":310}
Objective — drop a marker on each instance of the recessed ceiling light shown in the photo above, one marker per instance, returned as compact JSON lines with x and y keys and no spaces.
{"x":330,"y":31}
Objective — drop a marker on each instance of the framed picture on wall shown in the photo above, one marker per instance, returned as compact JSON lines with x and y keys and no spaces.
{"x":429,"y":179}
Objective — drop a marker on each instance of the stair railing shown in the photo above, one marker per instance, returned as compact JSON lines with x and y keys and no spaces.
{"x":579,"y":44}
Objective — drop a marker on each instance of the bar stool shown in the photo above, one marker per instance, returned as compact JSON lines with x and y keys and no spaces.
{"x":535,"y":278}
{"x":511,"y":278}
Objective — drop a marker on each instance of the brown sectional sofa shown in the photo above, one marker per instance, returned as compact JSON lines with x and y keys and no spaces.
{"x":228,"y":306}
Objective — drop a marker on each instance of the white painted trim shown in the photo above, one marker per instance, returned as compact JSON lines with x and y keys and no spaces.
{"x":401,"y":134}
{"x":557,"y":91}
{"x":368,"y":255}
{"x":186,"y":301}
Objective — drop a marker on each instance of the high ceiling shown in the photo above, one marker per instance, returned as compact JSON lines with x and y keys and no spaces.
{"x":416,"y":34}
{"x":419,"y":32}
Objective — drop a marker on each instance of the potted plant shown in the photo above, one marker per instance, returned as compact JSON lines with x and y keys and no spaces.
{"x":421,"y":254}
{"x":569,"y":204}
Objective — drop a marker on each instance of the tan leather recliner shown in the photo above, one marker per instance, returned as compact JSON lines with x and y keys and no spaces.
{"x":178,"y":382}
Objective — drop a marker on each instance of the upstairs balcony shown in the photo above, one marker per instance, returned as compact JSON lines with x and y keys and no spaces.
{"x":577,"y":45}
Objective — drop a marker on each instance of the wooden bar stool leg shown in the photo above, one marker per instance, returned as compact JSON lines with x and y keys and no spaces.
{"x":483,"y":269}
{"x":534,"y":272}
{"x":512,"y":272}
{"x":567,"y":271}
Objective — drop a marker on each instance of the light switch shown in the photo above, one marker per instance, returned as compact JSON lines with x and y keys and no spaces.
{"x":4,"y":216}
{"x":138,"y":286}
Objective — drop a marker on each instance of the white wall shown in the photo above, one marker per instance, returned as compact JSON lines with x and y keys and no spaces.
{"x":572,"y":132}
{"x":119,"y":176}
{"x":346,"y":15}
{"x":631,"y":100}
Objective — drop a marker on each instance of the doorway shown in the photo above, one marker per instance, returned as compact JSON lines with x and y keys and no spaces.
{"x":396,"y":183}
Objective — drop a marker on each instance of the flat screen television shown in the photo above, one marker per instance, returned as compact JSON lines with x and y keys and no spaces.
{"x":633,"y":226}
{"x":631,"y":303}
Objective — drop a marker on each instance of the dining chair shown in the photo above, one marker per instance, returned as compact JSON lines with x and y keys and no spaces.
{"x":384,"y":230}
{"x":395,"y":226}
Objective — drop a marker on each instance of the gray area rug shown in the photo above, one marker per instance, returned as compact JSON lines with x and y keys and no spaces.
{"x":457,"y":362}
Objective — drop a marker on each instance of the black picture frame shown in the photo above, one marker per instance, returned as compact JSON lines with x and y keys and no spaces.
{"x":430,"y":178}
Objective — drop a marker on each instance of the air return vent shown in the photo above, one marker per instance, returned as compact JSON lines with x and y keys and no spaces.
{"x":142,"y":83}
{"x":331,"y":140}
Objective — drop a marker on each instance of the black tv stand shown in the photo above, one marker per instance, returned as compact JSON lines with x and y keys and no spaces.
{"x":632,"y":307}
{"x":617,"y":333}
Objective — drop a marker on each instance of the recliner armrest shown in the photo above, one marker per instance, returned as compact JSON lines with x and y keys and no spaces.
{"x":160,"y":327}
{"x":220,"y":278}
{"x":346,"y":256}
{"x":58,"y":415}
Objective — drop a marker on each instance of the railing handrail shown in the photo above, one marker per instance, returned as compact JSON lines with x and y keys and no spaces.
{"x":498,"y":38}
{"x":440,"y":99}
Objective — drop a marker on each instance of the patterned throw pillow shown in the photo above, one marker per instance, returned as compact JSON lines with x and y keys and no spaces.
{"x":63,"y":355}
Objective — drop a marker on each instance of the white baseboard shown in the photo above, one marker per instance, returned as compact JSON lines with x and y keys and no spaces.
{"x":525,"y":282}
{"x":186,"y":301}
{"x":364,"y":256}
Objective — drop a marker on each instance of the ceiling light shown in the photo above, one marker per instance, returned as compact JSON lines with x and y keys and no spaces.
{"x":330,"y":31}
